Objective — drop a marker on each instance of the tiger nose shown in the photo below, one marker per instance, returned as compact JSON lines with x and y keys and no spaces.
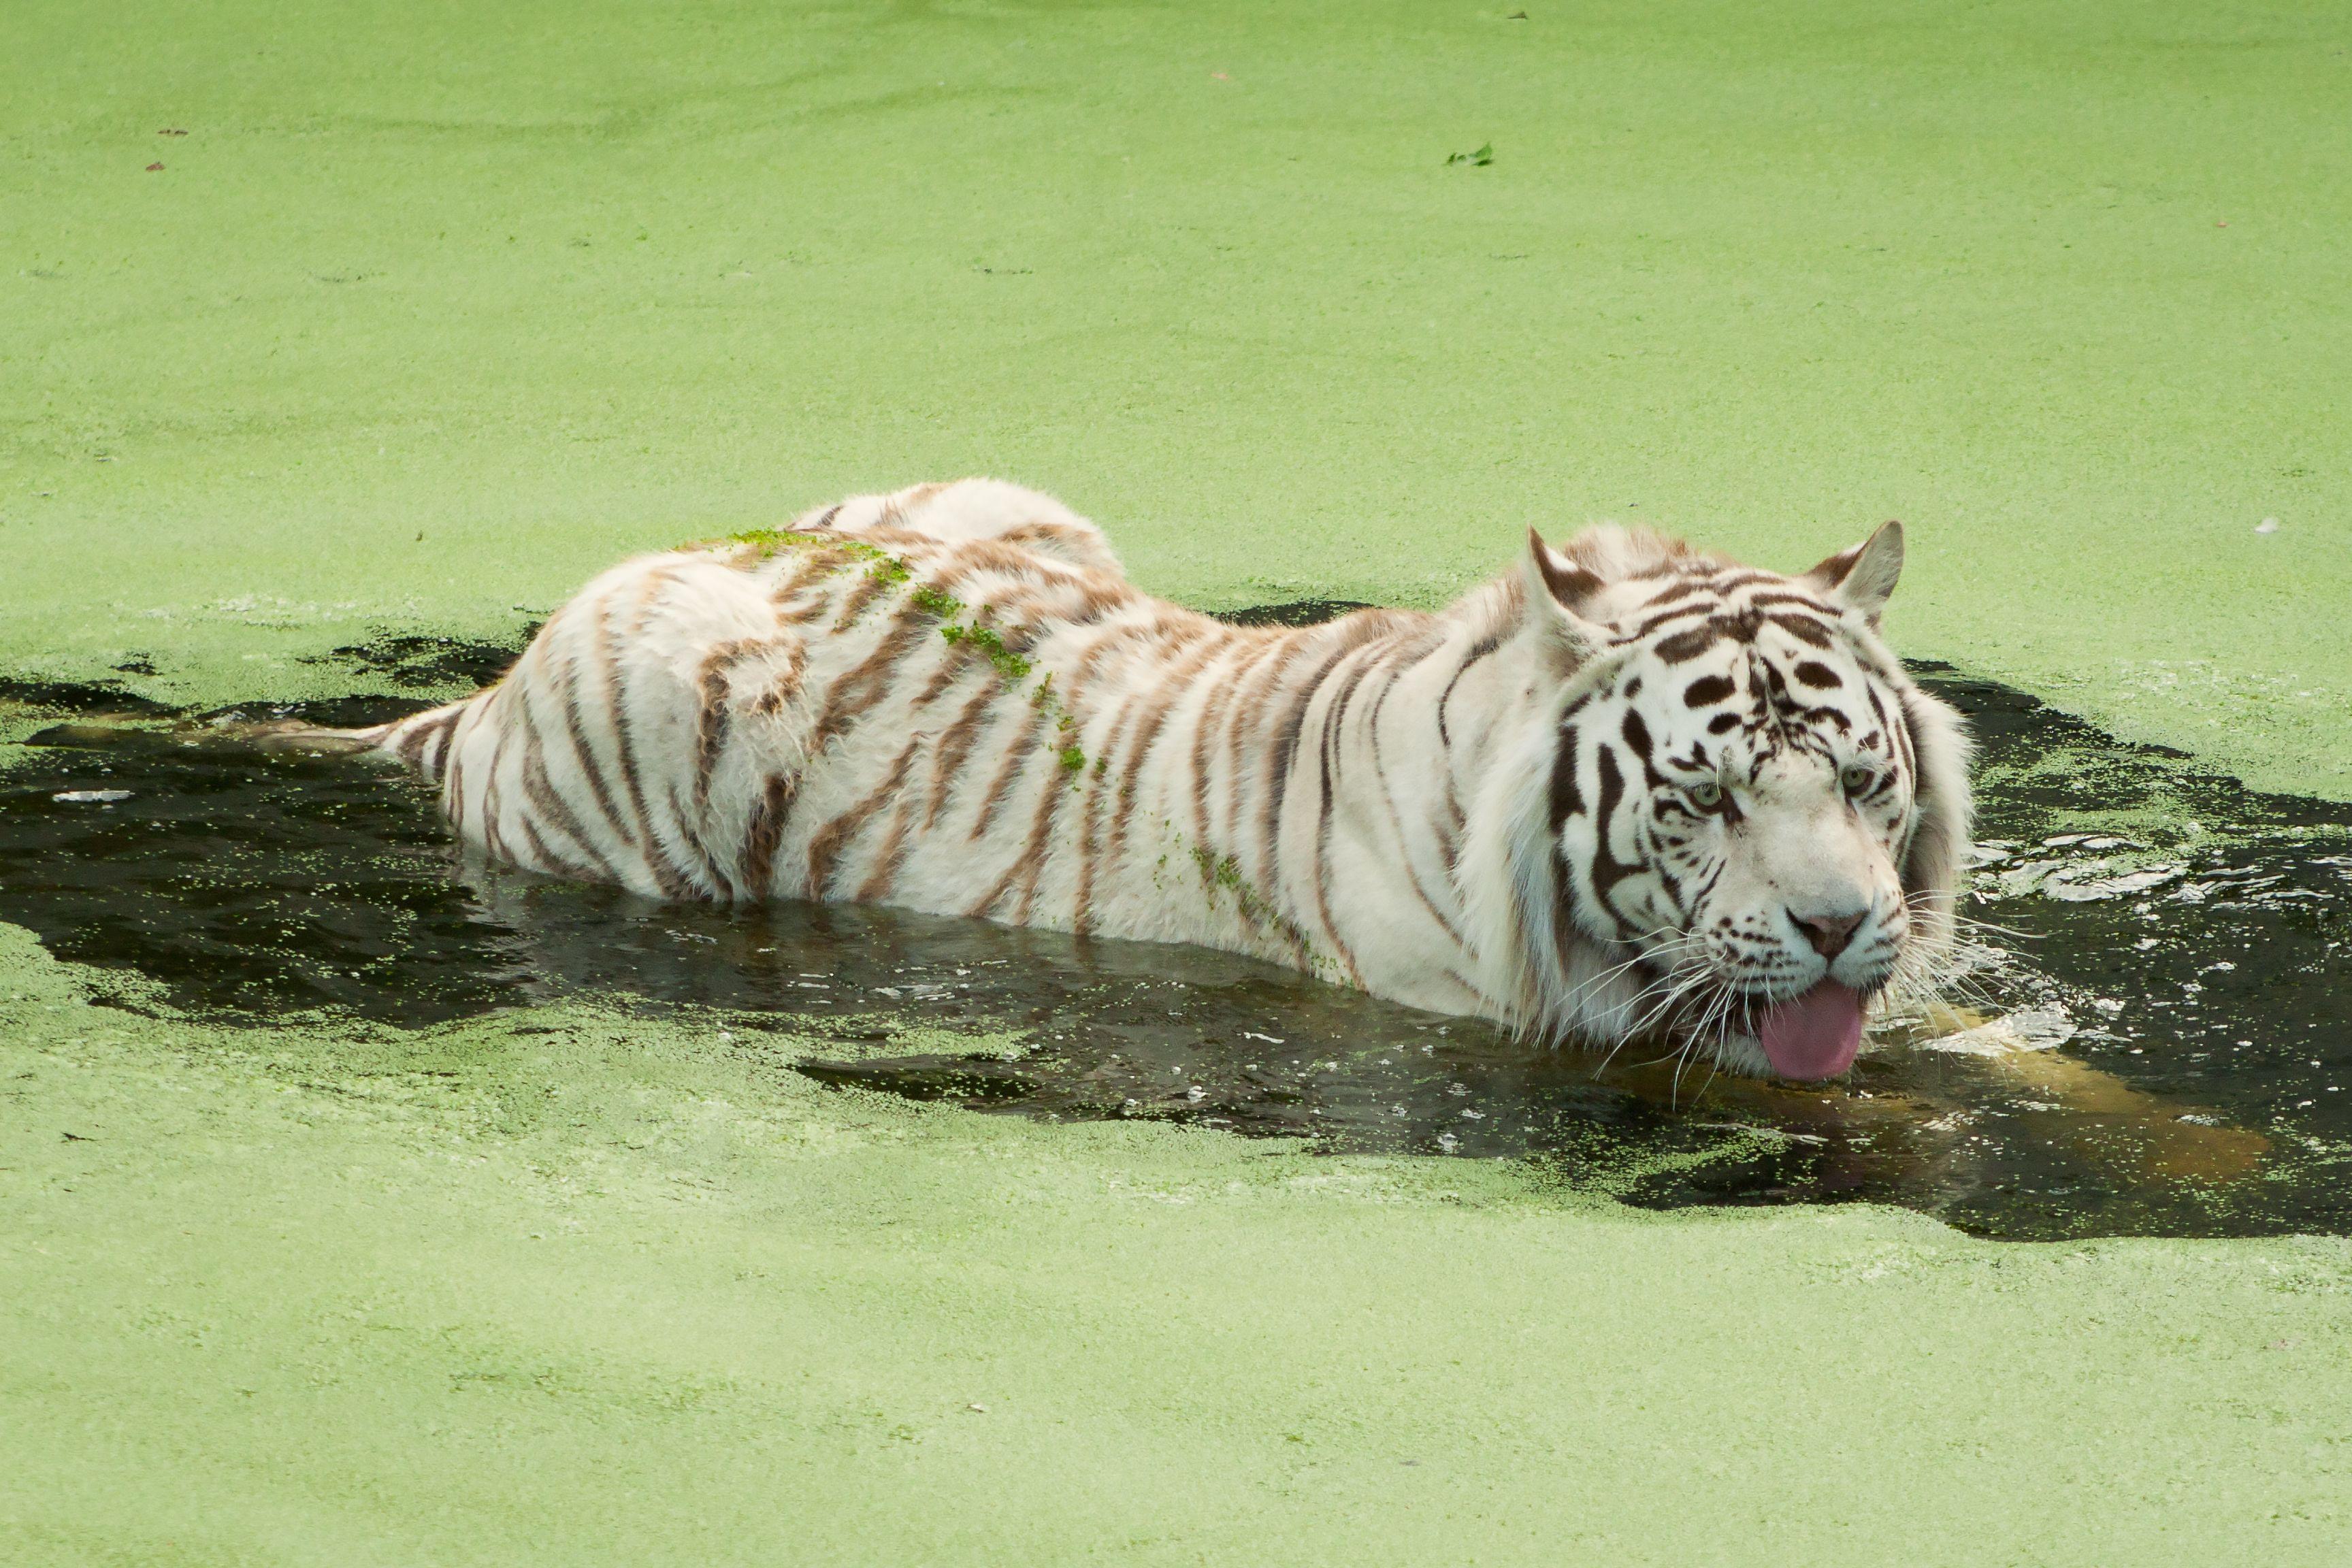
{"x":1828,"y":933}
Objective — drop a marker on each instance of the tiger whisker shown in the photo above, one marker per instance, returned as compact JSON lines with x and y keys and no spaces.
{"x":1672,"y":989}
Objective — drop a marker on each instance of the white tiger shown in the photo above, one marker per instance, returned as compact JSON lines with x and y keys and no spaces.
{"x":1627,"y":792}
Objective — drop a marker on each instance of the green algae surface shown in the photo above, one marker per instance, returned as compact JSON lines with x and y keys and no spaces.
{"x":565,"y":1287}
{"x":430,"y":312}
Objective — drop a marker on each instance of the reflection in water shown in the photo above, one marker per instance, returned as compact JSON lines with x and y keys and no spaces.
{"x":2154,"y":1042}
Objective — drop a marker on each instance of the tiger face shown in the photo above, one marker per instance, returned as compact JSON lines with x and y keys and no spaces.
{"x":1751,"y":814}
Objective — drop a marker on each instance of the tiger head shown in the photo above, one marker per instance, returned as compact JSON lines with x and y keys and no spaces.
{"x":1727,"y":819}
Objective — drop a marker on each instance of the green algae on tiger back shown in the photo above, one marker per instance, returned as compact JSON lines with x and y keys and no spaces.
{"x":769,"y":541}
{"x":890,"y":570}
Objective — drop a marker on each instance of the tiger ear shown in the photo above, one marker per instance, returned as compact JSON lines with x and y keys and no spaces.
{"x":1862,"y":578}
{"x":1558,"y":592}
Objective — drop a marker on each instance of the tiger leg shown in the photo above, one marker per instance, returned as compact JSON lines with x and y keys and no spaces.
{"x":644,"y":738}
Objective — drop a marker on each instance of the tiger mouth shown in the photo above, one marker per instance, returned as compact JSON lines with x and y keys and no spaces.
{"x":1750,"y":1004}
{"x":1805,"y":1035}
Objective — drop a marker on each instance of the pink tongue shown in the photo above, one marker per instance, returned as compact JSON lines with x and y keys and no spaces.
{"x":1815,"y":1035}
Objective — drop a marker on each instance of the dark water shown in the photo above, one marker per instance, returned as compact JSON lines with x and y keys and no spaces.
{"x":2184,"y":975}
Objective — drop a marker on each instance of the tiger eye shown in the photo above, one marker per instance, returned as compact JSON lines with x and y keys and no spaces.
{"x":1857,"y":777}
{"x":1707,"y":795}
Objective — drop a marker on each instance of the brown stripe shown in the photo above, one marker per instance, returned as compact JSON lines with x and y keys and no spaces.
{"x":1606,"y":870}
{"x":410,"y":747}
{"x":1667,"y":618}
{"x":714,"y":719}
{"x":855,"y":693}
{"x":1034,"y":853}
{"x":1805,"y":630}
{"x":1407,"y":658}
{"x":891,"y":858}
{"x":826,"y":845}
{"x":1336,"y":715}
{"x":1018,"y":757}
{"x":436,"y":748}
{"x":1204,"y":728}
{"x":1687,"y":589}
{"x":648,"y":591}
{"x":1035,"y":533}
{"x":665,"y":872}
{"x":1684,"y":647}
{"x":1081,"y":909}
{"x":913,"y":496}
{"x":1878,"y":710}
{"x":712,"y":683}
{"x":794,"y":568}
{"x":1030,"y":864}
{"x":428,"y":744}
{"x":1015,"y":621}
{"x":549,"y":861}
{"x":988,"y":555}
{"x":584,"y":752}
{"x":503,"y":733}
{"x":1241,"y":728}
{"x":1478,"y":650}
{"x":1289,"y":735}
{"x":1173,"y":685}
{"x":691,"y":827}
{"x":764,"y":832}
{"x":1802,"y":601}
{"x":539,"y":793}
{"x":1098,"y":599}
{"x":1405,"y":846}
{"x":948,"y":756}
{"x":961,"y":658}
{"x":947,"y":575}
{"x":1819,"y":676}
{"x":816,"y":609}
{"x":1328,"y":755}
{"x":872,"y":584}
{"x":880,"y":534}
{"x":493,"y":844}
{"x":812,"y":572}
{"x":453,"y":802}
{"x":1708,"y":690}
{"x":786,"y":685}
{"x":1241,"y":740}
{"x":815,"y":565}
{"x":540,"y":847}
{"x":1086,"y":547}
{"x":689,"y":836}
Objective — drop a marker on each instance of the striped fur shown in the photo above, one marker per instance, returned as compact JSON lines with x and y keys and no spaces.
{"x":951,"y":698}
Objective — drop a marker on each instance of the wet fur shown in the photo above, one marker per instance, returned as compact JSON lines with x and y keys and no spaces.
{"x":951,"y":698}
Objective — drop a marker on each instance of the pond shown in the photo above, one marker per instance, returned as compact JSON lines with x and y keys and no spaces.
{"x":2153,"y":1037}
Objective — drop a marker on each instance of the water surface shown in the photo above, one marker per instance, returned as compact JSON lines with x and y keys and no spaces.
{"x":2154,"y":1041}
